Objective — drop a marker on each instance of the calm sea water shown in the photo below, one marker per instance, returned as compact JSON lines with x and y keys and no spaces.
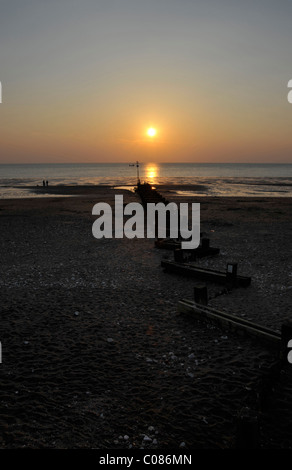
{"x":214,"y":179}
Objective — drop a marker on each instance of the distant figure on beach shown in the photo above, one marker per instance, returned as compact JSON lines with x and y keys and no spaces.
{"x":44,"y":184}
{"x":47,"y":183}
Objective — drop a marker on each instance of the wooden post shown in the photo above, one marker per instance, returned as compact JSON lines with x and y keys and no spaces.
{"x":178,"y":255}
{"x":231,"y":274}
{"x":205,"y":243}
{"x":201,"y":294}
{"x":247,"y":432}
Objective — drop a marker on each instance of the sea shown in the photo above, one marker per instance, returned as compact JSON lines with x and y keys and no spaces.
{"x":210,"y":179}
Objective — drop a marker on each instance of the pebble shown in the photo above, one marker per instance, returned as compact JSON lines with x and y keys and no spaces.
{"x":126,"y":437}
{"x":147,"y":439}
{"x":182,"y":444}
{"x":110,"y":340}
{"x":186,"y":353}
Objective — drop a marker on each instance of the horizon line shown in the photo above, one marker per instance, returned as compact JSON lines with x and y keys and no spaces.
{"x":145,"y":163}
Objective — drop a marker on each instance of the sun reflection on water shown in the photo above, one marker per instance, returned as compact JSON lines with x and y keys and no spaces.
{"x":151,"y":173}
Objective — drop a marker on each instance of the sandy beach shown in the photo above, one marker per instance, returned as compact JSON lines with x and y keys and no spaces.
{"x":94,"y":351}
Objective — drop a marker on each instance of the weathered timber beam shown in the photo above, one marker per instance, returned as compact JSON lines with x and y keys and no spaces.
{"x":211,"y":275}
{"x":231,"y":322}
{"x":199,"y":252}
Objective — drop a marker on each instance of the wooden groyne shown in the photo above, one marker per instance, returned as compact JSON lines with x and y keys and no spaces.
{"x":247,"y":420}
{"x":149,"y":194}
{"x":203,"y":250}
{"x":228,"y":278}
{"x":231,"y":322}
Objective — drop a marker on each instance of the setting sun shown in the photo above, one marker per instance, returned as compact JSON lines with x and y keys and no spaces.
{"x":151,"y":132}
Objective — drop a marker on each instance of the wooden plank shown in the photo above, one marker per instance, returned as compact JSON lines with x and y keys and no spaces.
{"x":199,"y":252}
{"x":211,"y":275}
{"x":166,"y":244}
{"x":233,"y":323}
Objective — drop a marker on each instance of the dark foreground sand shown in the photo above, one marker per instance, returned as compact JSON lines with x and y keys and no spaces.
{"x":94,"y":352}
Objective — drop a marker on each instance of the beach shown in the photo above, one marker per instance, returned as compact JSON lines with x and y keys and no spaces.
{"x":94,"y":351}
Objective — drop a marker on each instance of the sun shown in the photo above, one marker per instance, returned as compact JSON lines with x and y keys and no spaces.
{"x":151,"y":132}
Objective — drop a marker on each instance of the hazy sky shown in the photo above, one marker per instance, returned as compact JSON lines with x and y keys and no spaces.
{"x":83,"y":80}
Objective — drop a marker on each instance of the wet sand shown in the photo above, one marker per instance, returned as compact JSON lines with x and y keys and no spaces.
{"x":94,"y":351}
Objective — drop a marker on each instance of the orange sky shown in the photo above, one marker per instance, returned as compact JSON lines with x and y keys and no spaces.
{"x":85,"y":87}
